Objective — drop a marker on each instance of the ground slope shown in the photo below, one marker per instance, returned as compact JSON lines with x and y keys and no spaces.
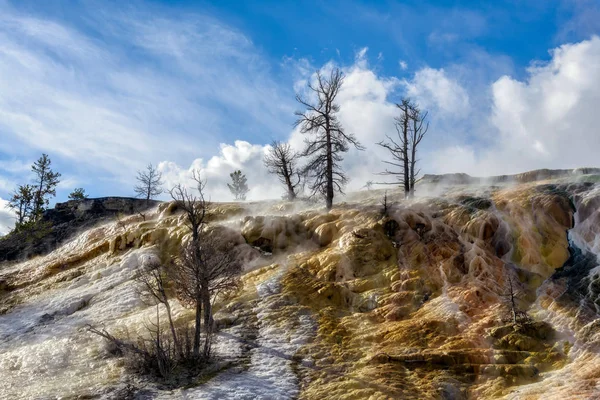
{"x":347,"y":304}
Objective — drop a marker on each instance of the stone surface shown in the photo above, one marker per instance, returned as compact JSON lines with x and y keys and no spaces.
{"x":65,"y":220}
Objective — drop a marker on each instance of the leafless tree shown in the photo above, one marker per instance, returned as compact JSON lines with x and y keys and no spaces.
{"x":385,"y":205}
{"x":205,"y":268}
{"x":511,"y":293}
{"x":420,"y":126}
{"x":398,"y":148}
{"x":195,"y":207}
{"x":150,"y":183}
{"x":330,"y":141}
{"x":152,"y":279}
{"x":193,"y":204}
{"x":411,"y":126}
{"x":368,"y":186}
{"x":206,"y":265}
{"x":282,"y":162}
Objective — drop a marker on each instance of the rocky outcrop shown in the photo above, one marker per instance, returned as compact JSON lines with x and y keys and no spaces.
{"x":530,"y":176}
{"x":64,"y":221}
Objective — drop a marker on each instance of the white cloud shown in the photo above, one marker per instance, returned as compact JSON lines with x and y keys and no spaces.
{"x":546,"y":121}
{"x":549,"y":120}
{"x":433,"y":89}
{"x":112,"y":104}
{"x":7,"y":218}
{"x":243,"y":156}
{"x":195,"y":83}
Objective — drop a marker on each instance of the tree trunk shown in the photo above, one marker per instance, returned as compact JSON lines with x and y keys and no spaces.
{"x":207,"y":311}
{"x":512,"y":301}
{"x":413,"y":162}
{"x":38,"y":199}
{"x":405,"y":153}
{"x":288,"y":182}
{"x":329,"y":171}
{"x":197,"y":328}
{"x":172,"y":325}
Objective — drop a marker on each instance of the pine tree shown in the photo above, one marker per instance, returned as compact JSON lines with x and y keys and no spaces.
{"x":45,"y":185}
{"x":239,"y":185}
{"x":78,"y":194}
{"x":21,"y":202}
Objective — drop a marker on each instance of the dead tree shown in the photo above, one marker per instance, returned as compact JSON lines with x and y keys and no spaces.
{"x":206,"y":267}
{"x":281,"y":161}
{"x":398,"y":148}
{"x":152,"y":278}
{"x":193,"y":204}
{"x":385,"y":205}
{"x":188,"y":275}
{"x":511,"y":294}
{"x":420,"y":126}
{"x":150,"y":183}
{"x":411,"y":126}
{"x":330,"y":141}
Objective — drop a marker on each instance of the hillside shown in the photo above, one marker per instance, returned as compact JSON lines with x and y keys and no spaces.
{"x":346,"y":304}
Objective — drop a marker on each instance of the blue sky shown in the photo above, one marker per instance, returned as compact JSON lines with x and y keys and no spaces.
{"x":105,"y":87}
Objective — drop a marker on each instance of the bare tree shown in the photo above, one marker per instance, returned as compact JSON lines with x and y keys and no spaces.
{"x":152,"y":277}
{"x":385,"y":205}
{"x":420,"y":126}
{"x":206,"y":267}
{"x":193,"y":204}
{"x":238,"y":185}
{"x":368,"y":186}
{"x":150,"y":183}
{"x":195,"y":207}
{"x":398,"y":148}
{"x":330,"y":141}
{"x":281,"y":161}
{"x":411,"y":126}
{"x":511,"y":293}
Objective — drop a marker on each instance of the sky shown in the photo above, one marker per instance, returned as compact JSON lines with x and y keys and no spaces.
{"x":106,"y":87}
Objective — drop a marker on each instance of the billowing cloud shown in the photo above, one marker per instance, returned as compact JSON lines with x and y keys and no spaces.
{"x":548,"y":120}
{"x":241,"y":156}
{"x":433,"y":89}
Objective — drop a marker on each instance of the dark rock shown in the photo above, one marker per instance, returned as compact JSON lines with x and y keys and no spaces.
{"x":63,"y":221}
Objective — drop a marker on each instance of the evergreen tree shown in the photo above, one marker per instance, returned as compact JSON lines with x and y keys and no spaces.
{"x":78,"y":194}
{"x":21,"y":202}
{"x":45,"y":185}
{"x":239,"y":185}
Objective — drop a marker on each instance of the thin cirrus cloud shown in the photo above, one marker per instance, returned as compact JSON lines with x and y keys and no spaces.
{"x":149,"y":87}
